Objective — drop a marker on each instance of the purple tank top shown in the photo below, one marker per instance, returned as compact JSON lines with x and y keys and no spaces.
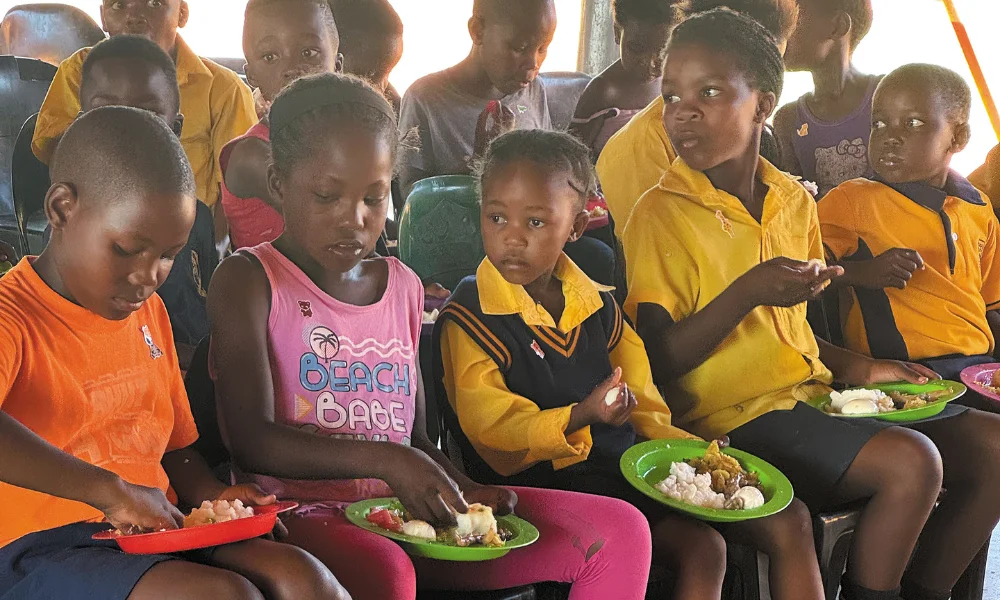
{"x":341,"y":370}
{"x":831,"y":153}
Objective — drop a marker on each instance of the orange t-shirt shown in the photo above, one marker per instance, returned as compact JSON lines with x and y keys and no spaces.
{"x":107,"y":392}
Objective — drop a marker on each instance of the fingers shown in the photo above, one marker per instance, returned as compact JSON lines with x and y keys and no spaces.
{"x":280,"y":532}
{"x":509,"y":502}
{"x":909,"y":256}
{"x":176,"y":517}
{"x":923,"y":371}
{"x":613,"y":381}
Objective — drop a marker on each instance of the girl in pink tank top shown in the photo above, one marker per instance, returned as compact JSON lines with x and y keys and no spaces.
{"x":320,"y":397}
{"x":252,"y":221}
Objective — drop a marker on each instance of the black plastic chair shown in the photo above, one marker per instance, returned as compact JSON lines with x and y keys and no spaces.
{"x":563,"y":89}
{"x":48,"y":32}
{"x":30,"y":182}
{"x":23,"y":85}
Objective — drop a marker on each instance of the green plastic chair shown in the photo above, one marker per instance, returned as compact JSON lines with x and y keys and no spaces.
{"x":439,"y":234}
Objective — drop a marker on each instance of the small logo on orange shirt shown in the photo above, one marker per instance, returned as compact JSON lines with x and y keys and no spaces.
{"x":727,"y":226}
{"x":154,"y":350}
{"x":537,"y":349}
{"x":804,"y":130}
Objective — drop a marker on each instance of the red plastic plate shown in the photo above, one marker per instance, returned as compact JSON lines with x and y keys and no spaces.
{"x":205,"y":536}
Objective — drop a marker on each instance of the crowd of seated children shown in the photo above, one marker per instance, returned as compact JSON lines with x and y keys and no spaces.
{"x":95,"y":422}
{"x":315,"y":356}
{"x":918,"y":243}
{"x":721,"y":256}
{"x":129,"y":70}
{"x":282,"y":41}
{"x":617,"y":94}
{"x":635,"y":158}
{"x":823,"y":136}
{"x":530,"y":347}
{"x":216,"y":105}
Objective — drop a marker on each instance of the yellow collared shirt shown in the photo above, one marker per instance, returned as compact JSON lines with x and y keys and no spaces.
{"x":942,"y":311}
{"x":987,"y":177}
{"x":633,"y":161}
{"x":216,"y":105}
{"x":685,"y":243}
{"x":510,"y":432}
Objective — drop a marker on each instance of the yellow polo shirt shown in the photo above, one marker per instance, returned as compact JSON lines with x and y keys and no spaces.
{"x":685,"y":243}
{"x":633,"y":161}
{"x":987,"y":177}
{"x":942,"y":311}
{"x":216,"y":105}
{"x":510,"y":432}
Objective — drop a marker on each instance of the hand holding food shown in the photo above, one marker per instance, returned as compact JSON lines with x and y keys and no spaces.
{"x":611,"y":402}
{"x":500,"y":499}
{"x":138,"y":508}
{"x":715,"y":480}
{"x":477,"y":526}
{"x":871,"y":371}
{"x":424,"y":488}
{"x":891,"y":269}
{"x":786,"y":282}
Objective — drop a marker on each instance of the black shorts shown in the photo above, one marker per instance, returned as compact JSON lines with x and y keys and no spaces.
{"x":814,"y":449}
{"x":65,"y":564}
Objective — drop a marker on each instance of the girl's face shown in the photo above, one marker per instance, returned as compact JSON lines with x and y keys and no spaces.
{"x":711,"y":113}
{"x":643,"y":48}
{"x":335,"y":199}
{"x":529,"y":212}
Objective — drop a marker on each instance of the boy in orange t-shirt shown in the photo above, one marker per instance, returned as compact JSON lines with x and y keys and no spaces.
{"x":95,"y":426}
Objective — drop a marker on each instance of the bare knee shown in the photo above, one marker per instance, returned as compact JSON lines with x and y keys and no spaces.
{"x":232,"y":585}
{"x":180,"y":579}
{"x":913,"y":465}
{"x":690,"y":545}
{"x":298,"y":575}
{"x":788,"y":531}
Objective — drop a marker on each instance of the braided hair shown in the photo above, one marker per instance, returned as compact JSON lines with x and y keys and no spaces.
{"x":645,"y":11}
{"x":553,"y":150}
{"x":754,"y":49}
{"x":779,"y":17}
{"x":303,"y":110}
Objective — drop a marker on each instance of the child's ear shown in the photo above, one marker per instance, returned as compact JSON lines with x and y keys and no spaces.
{"x":274,"y":184}
{"x":477,"y":27}
{"x":104,"y":26}
{"x":60,"y":204}
{"x":178,"y":125}
{"x":579,"y":225}
{"x":843,"y":24}
{"x":766,"y":103}
{"x":185,"y":14}
{"x":249,"y":75}
{"x":618,"y":34}
{"x":340,"y":63}
{"x":963,"y":133}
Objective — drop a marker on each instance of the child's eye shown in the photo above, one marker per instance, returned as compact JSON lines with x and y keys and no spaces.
{"x":878,"y":125}
{"x":154,"y":3}
{"x":536,"y":223}
{"x":375,"y":201}
{"x":711,"y":92}
{"x":311,"y":53}
{"x":270,"y":57}
{"x":497,"y":219}
{"x":519,"y":48}
{"x":116,"y":6}
{"x":671,"y":98}
{"x":914,"y":123}
{"x":323,"y":198}
{"x":125,"y":253}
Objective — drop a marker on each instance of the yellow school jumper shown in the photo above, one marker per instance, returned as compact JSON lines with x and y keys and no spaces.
{"x":685,"y":243}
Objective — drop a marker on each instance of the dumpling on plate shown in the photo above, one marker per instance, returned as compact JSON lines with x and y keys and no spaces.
{"x":420,"y":529}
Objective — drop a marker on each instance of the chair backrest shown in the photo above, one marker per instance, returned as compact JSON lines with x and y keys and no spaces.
{"x":23,"y":85}
{"x":29,"y":176}
{"x":439,"y":234}
{"x":49,"y":32}
{"x":563,"y":89}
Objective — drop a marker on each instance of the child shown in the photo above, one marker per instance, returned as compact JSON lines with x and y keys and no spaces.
{"x":530,"y":347}
{"x":129,"y":70}
{"x":718,"y":278}
{"x":823,"y":137}
{"x":987,"y":177}
{"x":315,"y":354}
{"x":633,"y":81}
{"x":635,"y":158}
{"x":216,"y":105}
{"x":920,"y":234}
{"x":282,"y":40}
{"x":94,"y":419}
{"x":371,"y":39}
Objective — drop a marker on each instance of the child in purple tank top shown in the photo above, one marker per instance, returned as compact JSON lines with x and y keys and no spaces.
{"x":315,"y":355}
{"x":823,"y":137}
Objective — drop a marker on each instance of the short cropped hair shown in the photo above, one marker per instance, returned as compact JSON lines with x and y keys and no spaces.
{"x":132,"y":47}
{"x":113,"y":151}
{"x":778,"y":17}
{"x":646,"y":11}
{"x":554,"y":150}
{"x":949,"y":86}
{"x":253,"y":5}
{"x":861,"y":13}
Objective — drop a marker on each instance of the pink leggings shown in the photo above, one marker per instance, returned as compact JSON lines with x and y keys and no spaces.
{"x":599,"y":545}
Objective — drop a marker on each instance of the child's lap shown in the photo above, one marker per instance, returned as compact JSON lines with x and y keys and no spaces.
{"x":65,"y":564}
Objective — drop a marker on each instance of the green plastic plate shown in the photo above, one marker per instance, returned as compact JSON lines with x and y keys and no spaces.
{"x":646,"y":464}
{"x":955,"y":391}
{"x":525,"y":534}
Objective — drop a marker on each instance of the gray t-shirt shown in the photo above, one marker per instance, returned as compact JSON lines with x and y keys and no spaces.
{"x":445,"y":118}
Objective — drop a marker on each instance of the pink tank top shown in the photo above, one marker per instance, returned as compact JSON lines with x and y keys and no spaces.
{"x":341,"y":370}
{"x":251,"y":220}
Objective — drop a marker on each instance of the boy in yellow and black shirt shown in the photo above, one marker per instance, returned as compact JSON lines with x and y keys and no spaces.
{"x":918,"y":244}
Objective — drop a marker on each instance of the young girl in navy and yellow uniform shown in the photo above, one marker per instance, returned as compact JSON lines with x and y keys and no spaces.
{"x":530,"y":348}
{"x":722,"y":256}
{"x":315,"y":352}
